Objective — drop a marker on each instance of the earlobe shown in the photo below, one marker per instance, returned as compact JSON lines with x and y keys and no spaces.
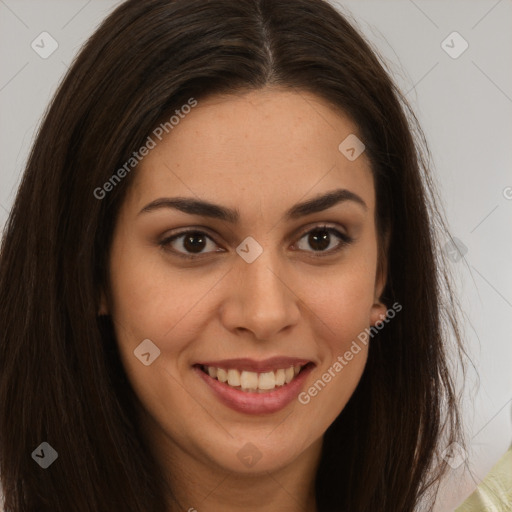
{"x":379,"y":309}
{"x":378,"y":312}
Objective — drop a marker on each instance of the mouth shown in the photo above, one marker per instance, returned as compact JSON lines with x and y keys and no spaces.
{"x":251,"y":387}
{"x":254,"y":382}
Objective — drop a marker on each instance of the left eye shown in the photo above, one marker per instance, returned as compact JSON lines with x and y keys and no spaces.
{"x":194,"y":242}
{"x":320,"y":239}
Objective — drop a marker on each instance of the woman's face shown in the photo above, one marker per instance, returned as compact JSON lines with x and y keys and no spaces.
{"x":255,"y":291}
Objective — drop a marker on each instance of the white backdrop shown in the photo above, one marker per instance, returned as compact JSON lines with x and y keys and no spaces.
{"x":453,"y":59}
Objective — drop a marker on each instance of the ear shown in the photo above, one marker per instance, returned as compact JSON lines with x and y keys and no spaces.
{"x":379,"y":309}
{"x":103,"y":309}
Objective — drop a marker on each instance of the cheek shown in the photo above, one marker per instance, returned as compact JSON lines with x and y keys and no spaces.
{"x":342,"y":316}
{"x":150,"y":301}
{"x":342,"y":304}
{"x":150,"y":298}
{"x":343,"y":299}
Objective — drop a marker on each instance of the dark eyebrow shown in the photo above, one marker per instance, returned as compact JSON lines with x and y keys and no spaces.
{"x":206,"y":209}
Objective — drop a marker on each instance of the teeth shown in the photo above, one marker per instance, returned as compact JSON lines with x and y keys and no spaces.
{"x":267,"y":380}
{"x":234,"y":378}
{"x":222,"y":375}
{"x":252,"y":381}
{"x":249,"y":380}
{"x":280,"y":377}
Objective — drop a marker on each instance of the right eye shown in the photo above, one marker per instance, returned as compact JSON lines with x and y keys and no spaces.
{"x":193,"y":241}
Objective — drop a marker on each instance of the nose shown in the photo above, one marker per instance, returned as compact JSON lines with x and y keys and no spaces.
{"x":261,"y":298}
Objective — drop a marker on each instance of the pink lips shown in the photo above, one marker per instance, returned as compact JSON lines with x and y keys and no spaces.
{"x":253,"y":402}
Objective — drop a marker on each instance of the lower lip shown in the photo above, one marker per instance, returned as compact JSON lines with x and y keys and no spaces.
{"x":256,"y":403}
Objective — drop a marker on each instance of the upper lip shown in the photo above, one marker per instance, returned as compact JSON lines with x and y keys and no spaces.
{"x":253,"y":365}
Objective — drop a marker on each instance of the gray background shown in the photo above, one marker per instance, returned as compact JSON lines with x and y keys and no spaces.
{"x":465,"y":108}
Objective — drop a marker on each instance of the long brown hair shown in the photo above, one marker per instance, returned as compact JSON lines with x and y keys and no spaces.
{"x":61,"y":380}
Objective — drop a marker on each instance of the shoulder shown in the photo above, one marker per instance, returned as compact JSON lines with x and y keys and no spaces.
{"x":494,"y":493}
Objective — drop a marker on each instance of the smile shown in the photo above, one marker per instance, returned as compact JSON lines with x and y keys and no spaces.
{"x":252,"y":381}
{"x":252,"y":387}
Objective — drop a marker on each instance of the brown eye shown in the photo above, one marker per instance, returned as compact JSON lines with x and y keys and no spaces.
{"x":194,"y":242}
{"x":189,"y":243}
{"x":322,"y":239}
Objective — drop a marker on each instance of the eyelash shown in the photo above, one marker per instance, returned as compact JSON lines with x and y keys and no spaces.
{"x":345,"y":240}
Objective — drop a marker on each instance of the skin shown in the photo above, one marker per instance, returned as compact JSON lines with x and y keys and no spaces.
{"x":260,"y":152}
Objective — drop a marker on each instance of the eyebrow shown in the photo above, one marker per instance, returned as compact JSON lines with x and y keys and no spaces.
{"x":207,"y":209}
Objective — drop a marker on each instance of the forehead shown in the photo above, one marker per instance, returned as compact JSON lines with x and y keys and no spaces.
{"x":265,"y":147}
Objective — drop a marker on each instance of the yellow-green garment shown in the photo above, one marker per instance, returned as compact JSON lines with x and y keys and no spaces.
{"x":494,"y":494}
